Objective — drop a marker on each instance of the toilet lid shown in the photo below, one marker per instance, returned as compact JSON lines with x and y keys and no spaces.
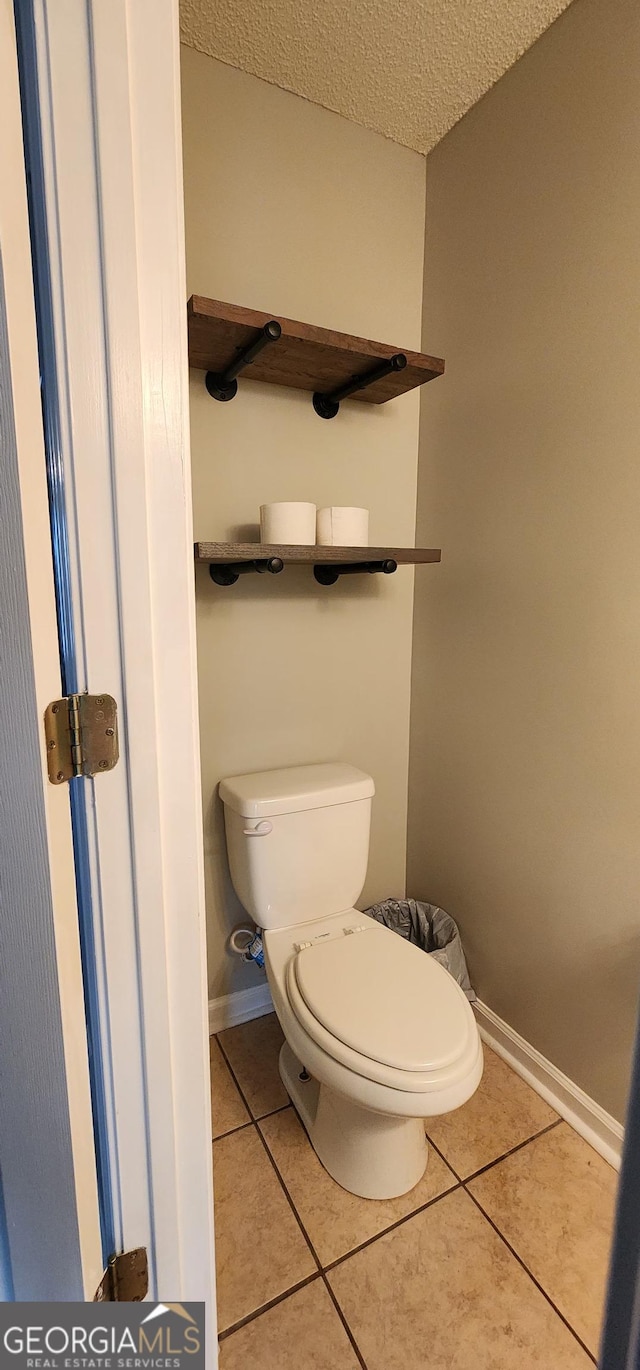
{"x":385,"y":999}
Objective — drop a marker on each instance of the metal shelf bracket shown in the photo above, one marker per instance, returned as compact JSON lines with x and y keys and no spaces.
{"x":227,"y":573}
{"x":222,"y":385}
{"x":328,"y":573}
{"x":327,"y":405}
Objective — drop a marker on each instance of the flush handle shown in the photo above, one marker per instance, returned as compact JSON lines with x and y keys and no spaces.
{"x":261,"y":829}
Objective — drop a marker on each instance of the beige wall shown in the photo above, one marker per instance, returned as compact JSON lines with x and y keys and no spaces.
{"x":292,"y":209}
{"x":525,"y":774}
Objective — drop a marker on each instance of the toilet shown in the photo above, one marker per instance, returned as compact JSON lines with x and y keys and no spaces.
{"x":378,"y":1036}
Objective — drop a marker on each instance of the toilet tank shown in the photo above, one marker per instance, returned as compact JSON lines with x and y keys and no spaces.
{"x":298,"y":840}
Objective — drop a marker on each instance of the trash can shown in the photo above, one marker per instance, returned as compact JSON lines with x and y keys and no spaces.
{"x":430,"y":928}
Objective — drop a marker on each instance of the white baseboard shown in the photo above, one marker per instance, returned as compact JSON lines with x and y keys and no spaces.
{"x":598,"y":1128}
{"x":231,"y":1009}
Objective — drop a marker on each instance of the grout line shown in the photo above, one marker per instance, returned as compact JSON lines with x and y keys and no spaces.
{"x":251,"y":1122}
{"x":313,"y":1252}
{"x":239,"y":1128}
{"x":305,"y":1234}
{"x":464,"y":1179}
{"x":234,"y":1077}
{"x":290,"y":1202}
{"x":277,"y":1172}
{"x":236,"y":1083}
{"x":282,"y":1108}
{"x":392,"y":1227}
{"x":343,"y":1320}
{"x":272,"y":1303}
{"x":530,"y":1274}
{"x":512,"y":1150}
{"x":319,"y":1273}
{"x":443,"y":1158}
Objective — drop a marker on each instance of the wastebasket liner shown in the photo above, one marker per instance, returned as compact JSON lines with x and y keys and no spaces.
{"x":430,"y":928}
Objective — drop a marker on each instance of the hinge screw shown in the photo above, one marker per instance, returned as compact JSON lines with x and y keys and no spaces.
{"x":110,"y":732}
{"x":55,"y":708}
{"x":51,"y":745}
{"x":103,"y":765}
{"x":60,"y":775}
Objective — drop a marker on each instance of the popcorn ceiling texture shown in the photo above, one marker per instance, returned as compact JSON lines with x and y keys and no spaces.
{"x":408,"y":69}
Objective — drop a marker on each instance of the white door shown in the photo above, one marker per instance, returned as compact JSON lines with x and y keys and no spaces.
{"x":100,"y":104}
{"x":50,"y":1247}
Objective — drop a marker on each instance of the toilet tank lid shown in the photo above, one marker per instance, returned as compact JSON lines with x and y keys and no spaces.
{"x":295,"y":788}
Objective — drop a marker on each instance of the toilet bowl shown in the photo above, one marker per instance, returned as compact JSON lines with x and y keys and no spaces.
{"x":387,"y":1037}
{"x":378,"y":1036}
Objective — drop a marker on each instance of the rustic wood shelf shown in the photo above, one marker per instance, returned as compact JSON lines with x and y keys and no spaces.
{"x":221,"y":552}
{"x":227,"y":561}
{"x":299,"y":355}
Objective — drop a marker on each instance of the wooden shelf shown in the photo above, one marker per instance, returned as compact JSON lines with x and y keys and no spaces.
{"x":219,"y":553}
{"x":303,"y":357}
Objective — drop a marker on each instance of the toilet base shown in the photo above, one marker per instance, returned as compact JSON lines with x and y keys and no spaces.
{"x":373,"y":1155}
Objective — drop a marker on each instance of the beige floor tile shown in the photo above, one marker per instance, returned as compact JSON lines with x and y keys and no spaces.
{"x":227,"y":1108}
{"x":554,"y":1202}
{"x":337,"y":1221}
{"x":260,"y":1250}
{"x":443,"y":1292}
{"x":503,"y":1112}
{"x":253,"y":1049}
{"x":303,"y":1332}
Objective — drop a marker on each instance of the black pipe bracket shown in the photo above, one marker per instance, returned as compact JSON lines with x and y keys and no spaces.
{"x":327,"y":573}
{"x":222,"y":385}
{"x":327,"y":405}
{"x":228,"y":572}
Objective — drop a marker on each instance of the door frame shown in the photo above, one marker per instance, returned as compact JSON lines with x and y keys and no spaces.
{"x":105,"y":81}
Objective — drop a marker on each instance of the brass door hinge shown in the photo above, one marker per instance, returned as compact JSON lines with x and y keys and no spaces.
{"x":81,"y":732}
{"x":126,"y":1278}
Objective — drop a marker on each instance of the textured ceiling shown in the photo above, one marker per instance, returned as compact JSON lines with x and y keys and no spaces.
{"x":407,"y":68}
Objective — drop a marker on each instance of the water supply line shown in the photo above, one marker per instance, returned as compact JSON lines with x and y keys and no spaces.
{"x":247,"y":943}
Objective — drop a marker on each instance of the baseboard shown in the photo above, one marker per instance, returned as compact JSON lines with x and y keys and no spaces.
{"x":231,"y":1009}
{"x":598,"y":1128}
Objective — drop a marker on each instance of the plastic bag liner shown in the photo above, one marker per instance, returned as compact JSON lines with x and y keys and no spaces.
{"x":430,"y":928}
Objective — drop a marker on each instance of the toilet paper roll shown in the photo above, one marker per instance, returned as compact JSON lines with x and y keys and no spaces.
{"x":343,"y":526}
{"x":289,"y":522}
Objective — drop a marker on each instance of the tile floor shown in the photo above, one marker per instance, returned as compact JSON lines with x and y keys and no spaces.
{"x":495,"y":1261}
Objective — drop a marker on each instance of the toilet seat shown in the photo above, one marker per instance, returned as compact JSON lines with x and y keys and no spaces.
{"x":382,"y":1008}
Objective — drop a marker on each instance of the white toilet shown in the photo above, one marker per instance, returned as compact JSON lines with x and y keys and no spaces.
{"x":378,"y":1035}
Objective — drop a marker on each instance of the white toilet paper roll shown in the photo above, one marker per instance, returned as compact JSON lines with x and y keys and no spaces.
{"x":343,"y":526}
{"x":289,"y":522}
